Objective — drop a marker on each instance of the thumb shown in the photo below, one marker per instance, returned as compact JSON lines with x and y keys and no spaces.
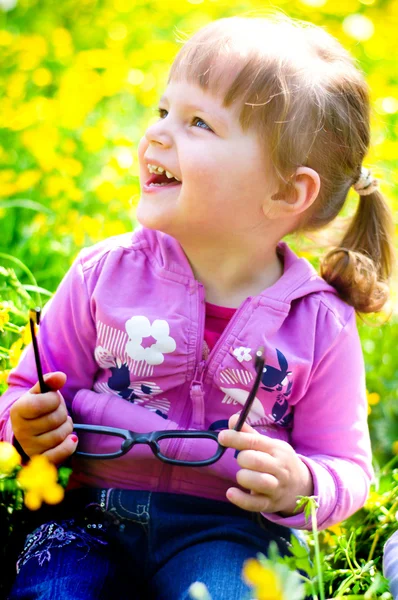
{"x":245,"y":427}
{"x":54,"y":381}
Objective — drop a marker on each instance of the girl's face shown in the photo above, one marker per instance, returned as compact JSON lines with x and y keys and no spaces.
{"x":220,"y":178}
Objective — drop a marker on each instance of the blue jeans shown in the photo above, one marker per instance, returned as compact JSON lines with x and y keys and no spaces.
{"x":111,"y":544}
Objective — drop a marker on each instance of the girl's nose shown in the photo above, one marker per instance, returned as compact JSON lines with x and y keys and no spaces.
{"x":159,"y":134}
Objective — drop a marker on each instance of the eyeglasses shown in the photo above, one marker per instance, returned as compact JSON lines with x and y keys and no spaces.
{"x":204,"y":448}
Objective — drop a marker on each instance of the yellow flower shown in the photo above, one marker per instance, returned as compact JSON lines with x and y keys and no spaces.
{"x":26,"y":335}
{"x":70,"y":166}
{"x":4,"y":317}
{"x":93,"y":138}
{"x":375,"y":500}
{"x":42,"y":77}
{"x":62,"y":42}
{"x":106,"y":191}
{"x":69,"y":146}
{"x":42,"y":141}
{"x":265,"y":581}
{"x":16,"y":85}
{"x":74,"y":193}
{"x":9,"y":458}
{"x":373,"y":398}
{"x":329,"y":538}
{"x":8,"y":189}
{"x":15,"y":352}
{"x":7,"y":175}
{"x":336,"y":529}
{"x":39,"y":481}
{"x":28,"y":179}
{"x":54,"y":185}
{"x":4,"y":376}
{"x":5,"y":38}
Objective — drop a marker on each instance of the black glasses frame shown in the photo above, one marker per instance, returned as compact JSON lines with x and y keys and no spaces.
{"x":152,"y":439}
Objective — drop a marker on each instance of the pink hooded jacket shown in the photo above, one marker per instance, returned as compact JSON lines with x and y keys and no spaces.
{"x":126,"y":325}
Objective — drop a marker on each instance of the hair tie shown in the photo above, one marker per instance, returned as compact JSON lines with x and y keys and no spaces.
{"x":366,"y":184}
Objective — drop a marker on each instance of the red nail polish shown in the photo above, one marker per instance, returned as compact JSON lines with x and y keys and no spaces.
{"x":74,"y":437}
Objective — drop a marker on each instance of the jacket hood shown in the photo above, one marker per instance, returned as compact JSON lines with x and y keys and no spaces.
{"x":299,"y":277}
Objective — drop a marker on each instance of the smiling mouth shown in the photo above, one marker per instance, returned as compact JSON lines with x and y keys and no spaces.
{"x":161,"y":180}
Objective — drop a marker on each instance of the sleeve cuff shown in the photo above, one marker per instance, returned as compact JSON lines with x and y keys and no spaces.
{"x":323,"y":480}
{"x":8,"y":434}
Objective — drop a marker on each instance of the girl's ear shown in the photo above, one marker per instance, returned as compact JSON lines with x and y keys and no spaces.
{"x":296,"y":197}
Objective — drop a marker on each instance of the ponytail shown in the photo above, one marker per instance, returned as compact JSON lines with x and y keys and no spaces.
{"x":361,"y":266}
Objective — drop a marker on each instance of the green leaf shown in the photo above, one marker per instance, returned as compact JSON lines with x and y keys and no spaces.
{"x":63,"y":475}
{"x":26,"y":203}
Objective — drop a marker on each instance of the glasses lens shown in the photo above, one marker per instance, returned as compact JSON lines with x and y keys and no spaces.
{"x":188,"y":449}
{"x":98,"y":443}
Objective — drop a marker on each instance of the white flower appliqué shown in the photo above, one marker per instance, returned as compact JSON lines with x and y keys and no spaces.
{"x":138,"y":328}
{"x":242,"y":353}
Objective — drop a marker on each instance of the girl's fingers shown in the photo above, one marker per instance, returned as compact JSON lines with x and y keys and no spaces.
{"x":242,"y":440}
{"x":54,"y":380}
{"x":62,"y":451}
{"x":262,"y":462}
{"x":245,"y":427}
{"x":49,"y":422}
{"x":33,"y":406}
{"x":54,"y":438}
{"x":259,"y":483}
{"x":250,"y":502}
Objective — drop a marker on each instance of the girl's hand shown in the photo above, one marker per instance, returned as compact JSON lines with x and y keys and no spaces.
{"x":270,"y":469}
{"x":41,"y":423}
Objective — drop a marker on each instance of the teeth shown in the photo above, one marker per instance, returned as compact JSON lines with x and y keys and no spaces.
{"x":160,"y":170}
{"x":155,"y":169}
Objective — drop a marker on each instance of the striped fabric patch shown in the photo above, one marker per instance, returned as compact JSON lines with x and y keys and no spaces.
{"x":267,"y":420}
{"x":233,"y":376}
{"x":114,"y":342}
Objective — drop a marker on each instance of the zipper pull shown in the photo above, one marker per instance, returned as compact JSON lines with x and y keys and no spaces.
{"x":197,"y":396}
{"x":197,"y":380}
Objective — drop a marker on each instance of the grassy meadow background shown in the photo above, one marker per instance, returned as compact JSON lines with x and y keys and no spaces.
{"x":79,"y":82}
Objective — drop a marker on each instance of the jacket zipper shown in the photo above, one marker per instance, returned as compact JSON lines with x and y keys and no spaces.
{"x":202,"y":366}
{"x":196,"y":387}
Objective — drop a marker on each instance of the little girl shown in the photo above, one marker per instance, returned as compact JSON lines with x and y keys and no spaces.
{"x":262,"y":130}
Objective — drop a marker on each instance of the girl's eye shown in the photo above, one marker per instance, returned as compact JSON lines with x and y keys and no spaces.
{"x":196,"y":121}
{"x":200,"y":123}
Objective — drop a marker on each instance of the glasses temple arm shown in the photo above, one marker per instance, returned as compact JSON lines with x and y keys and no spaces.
{"x":252,"y":394}
{"x":34,"y":317}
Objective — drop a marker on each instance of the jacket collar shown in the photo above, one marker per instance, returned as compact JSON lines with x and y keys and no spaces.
{"x":299,"y":277}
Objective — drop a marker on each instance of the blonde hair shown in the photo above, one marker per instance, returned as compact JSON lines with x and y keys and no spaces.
{"x":300,"y":89}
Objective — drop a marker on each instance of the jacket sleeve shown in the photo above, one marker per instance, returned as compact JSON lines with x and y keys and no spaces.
{"x":66,"y":341}
{"x":330,"y":433}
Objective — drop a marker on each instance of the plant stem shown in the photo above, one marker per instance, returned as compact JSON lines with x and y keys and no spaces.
{"x":374,"y":544}
{"x":347,"y":555}
{"x":317,"y":550}
{"x":346,"y":585}
{"x":24,"y":268}
{"x":12,"y":327}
